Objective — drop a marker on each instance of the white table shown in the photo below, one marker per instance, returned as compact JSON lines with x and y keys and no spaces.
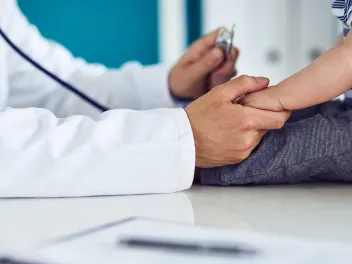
{"x":311,"y":211}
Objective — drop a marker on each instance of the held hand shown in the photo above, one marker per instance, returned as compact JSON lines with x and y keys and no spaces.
{"x":226,"y":133}
{"x":266,"y":99}
{"x":201,"y":68}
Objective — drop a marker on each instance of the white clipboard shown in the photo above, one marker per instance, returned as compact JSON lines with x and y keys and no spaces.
{"x":155,"y":241}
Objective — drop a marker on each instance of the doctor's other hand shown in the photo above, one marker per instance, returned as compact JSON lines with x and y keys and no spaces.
{"x":202,"y":67}
{"x":226,"y":132}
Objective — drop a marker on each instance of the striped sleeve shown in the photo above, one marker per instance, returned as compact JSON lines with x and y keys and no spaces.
{"x":342,"y":9}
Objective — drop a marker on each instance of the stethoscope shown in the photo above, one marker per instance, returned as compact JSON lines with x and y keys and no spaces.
{"x":53,"y":76}
{"x":224,"y":41}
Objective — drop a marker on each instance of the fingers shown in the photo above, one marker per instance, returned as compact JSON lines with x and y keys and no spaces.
{"x":235,"y":52}
{"x":206,"y":65}
{"x":243,"y":85}
{"x":251,"y":141}
{"x":261,"y":134}
{"x":264,"y":99}
{"x":257,"y":138}
{"x":200,"y":47}
{"x":265,"y":120}
{"x":225,"y":72}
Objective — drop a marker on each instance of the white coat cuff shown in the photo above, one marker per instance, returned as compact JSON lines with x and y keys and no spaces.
{"x":188,"y":157}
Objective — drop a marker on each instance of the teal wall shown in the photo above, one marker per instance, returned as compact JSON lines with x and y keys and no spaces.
{"x":194,"y":20}
{"x":104,"y":31}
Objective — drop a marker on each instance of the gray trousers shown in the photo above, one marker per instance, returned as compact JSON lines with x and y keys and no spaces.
{"x":315,"y":145}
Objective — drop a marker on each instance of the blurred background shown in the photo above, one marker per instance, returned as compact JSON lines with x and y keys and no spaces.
{"x":276,"y":37}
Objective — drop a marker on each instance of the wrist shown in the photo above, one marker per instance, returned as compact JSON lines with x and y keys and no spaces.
{"x":175,"y":95}
{"x":188,"y":111}
{"x":180,"y":99}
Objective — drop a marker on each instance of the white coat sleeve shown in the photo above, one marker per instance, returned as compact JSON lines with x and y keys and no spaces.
{"x":118,"y":152}
{"x":124,"y":152}
{"x":130,"y":87}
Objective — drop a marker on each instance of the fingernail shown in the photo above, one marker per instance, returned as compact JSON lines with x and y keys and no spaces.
{"x":233,"y":54}
{"x":261,"y":79}
{"x":217,"y":54}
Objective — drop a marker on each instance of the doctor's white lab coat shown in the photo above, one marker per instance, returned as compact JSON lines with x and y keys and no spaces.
{"x":53,"y":144}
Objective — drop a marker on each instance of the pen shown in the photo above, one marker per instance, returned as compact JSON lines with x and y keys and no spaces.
{"x":13,"y":261}
{"x":185,"y":247}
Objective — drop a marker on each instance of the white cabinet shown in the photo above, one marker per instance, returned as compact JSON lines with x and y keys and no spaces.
{"x":318,"y":30}
{"x":276,"y":37}
{"x":270,"y":38}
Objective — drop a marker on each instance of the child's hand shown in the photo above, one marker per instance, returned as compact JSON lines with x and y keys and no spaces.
{"x":264,"y":99}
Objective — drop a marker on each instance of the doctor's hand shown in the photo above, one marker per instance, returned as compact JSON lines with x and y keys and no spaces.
{"x":202,"y":67}
{"x":226,"y":132}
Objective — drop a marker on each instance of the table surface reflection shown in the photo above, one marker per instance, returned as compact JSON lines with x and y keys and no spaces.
{"x":314,"y":211}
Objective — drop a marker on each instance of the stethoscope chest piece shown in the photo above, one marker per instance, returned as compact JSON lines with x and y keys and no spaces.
{"x":225,"y":40}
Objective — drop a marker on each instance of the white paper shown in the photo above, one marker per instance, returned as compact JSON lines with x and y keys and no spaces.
{"x":100,"y":245}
